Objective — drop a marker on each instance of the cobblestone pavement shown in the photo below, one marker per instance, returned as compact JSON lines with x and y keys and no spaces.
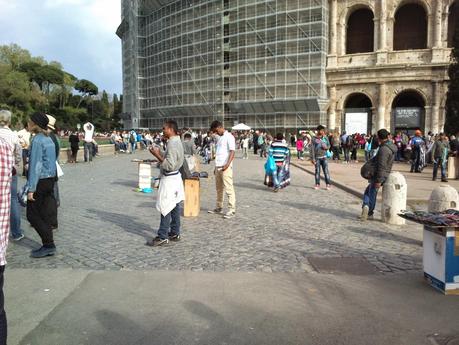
{"x":104,"y":225}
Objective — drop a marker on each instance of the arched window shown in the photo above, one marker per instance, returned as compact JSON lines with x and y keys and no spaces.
{"x":409,"y":111}
{"x":453,"y":20}
{"x":360,"y":32}
{"x":410,"y":28}
{"x":357,"y":114}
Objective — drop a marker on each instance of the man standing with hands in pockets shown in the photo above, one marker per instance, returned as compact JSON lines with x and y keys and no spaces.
{"x":226,"y":147}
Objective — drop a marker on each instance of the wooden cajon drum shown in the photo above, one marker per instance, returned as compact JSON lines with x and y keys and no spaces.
{"x":192,"y":204}
{"x":144,"y":175}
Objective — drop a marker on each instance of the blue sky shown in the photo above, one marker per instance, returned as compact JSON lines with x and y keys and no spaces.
{"x":78,"y":33}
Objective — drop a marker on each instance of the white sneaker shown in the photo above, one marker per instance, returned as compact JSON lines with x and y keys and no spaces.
{"x":364,"y":216}
{"x":229,"y":215}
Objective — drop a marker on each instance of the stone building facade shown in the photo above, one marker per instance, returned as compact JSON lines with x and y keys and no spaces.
{"x":389,"y":59}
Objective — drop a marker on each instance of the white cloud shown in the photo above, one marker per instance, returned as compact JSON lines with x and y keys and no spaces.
{"x":78,"y":33}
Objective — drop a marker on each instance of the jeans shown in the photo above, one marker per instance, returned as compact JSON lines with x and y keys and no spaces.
{"x":278,"y":176}
{"x":15,"y":209}
{"x":335,"y":150}
{"x":170,"y":222}
{"x":25,"y":156}
{"x":369,"y":197}
{"x":322,"y":162}
{"x":88,"y":154}
{"x":416,"y":160}
{"x":299,"y":154}
{"x":439,"y":162}
{"x":133,"y":147}
{"x":347,"y":157}
{"x":367,"y":156}
{"x":39,"y":211}
{"x":3,"y":324}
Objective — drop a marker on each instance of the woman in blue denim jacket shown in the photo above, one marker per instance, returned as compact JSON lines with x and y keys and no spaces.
{"x":41,"y":202}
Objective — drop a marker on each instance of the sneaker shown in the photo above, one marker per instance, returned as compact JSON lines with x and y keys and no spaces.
{"x":328,"y":186}
{"x":18,"y":238}
{"x":371,"y":217}
{"x":174,"y":237}
{"x":43,"y":252}
{"x":157,"y":241}
{"x":317,"y":187}
{"x":276,"y":189}
{"x":364,"y":216}
{"x":229,"y":215}
{"x":216,"y":211}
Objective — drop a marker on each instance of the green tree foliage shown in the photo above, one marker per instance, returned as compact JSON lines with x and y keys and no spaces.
{"x":452,"y":99}
{"x":29,"y":84}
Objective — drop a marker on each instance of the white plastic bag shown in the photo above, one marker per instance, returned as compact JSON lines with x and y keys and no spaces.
{"x":59,"y":170}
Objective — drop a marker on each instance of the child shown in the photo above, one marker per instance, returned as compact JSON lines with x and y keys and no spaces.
{"x":300,"y":148}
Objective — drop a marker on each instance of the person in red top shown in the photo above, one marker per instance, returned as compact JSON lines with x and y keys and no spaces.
{"x":6,"y":173}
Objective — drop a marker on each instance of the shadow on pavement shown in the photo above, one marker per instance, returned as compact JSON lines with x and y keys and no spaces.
{"x":27,"y":243}
{"x":125,"y":222}
{"x":384,"y":235}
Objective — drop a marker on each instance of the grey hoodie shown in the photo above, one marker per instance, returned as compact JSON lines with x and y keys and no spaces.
{"x":384,"y":161}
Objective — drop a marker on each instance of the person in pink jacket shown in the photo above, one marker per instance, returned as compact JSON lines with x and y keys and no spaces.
{"x":300,"y":148}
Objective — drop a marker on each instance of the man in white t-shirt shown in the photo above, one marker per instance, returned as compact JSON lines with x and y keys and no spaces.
{"x":225,"y":150}
{"x":88,"y":141}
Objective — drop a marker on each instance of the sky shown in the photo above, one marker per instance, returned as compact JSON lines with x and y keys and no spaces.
{"x":80,"y":34}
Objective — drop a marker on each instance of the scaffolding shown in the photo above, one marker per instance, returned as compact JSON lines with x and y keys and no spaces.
{"x":261,"y":62}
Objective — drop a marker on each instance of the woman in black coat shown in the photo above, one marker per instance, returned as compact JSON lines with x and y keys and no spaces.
{"x":74,"y":141}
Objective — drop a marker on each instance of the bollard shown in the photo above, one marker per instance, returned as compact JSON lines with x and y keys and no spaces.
{"x":394,"y":199}
{"x":443,"y":198}
{"x":452,"y":168}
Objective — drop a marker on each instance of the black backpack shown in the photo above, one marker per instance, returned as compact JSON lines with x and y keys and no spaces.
{"x":368,"y":170}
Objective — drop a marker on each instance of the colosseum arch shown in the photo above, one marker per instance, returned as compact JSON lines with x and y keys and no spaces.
{"x":357,"y":114}
{"x":360,"y":30}
{"x":411,"y":25}
{"x":453,"y":20}
{"x":408,"y":110}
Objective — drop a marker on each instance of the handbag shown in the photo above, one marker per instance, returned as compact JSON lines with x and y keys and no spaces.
{"x":328,"y":154}
{"x":22,"y":196}
{"x":270,"y":166}
{"x":368,"y":170}
{"x":59,"y":170}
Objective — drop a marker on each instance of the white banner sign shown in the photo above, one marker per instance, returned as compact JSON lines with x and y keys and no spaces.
{"x":356,"y":123}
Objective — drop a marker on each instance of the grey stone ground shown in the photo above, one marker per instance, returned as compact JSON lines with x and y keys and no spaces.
{"x":104,"y":225}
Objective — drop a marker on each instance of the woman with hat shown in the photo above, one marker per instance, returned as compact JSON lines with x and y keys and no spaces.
{"x":40,"y":184}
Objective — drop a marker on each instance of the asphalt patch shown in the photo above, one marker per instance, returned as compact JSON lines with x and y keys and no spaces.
{"x":343,"y":265}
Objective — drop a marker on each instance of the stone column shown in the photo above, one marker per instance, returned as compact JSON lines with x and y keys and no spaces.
{"x":332,"y":55}
{"x":435,"y":115}
{"x":332,"y":109}
{"x":382,"y":33}
{"x":380,"y":120}
{"x":437,"y":53}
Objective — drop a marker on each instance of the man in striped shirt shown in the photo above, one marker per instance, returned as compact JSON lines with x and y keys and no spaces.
{"x":280,"y":152}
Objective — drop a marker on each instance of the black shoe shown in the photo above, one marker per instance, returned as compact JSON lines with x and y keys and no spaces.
{"x":444,"y":180}
{"x":434,"y":179}
{"x":174,"y":237}
{"x":157,"y":241}
{"x":43,"y":252}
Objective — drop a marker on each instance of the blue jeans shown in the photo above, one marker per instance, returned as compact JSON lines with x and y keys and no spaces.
{"x":278,"y":176}
{"x":88,"y":151}
{"x":15,"y":209}
{"x":322,"y":162}
{"x":442,"y":163}
{"x":170,"y":222}
{"x":133,"y":147}
{"x":369,"y":197}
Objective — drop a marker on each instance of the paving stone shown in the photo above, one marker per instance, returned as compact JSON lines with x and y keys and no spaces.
{"x":104,"y":224}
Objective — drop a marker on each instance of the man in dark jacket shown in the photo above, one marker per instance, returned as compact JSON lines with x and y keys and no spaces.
{"x":384,"y":160}
{"x":440,"y":152}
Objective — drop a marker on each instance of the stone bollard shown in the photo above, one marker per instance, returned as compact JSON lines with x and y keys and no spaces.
{"x":443,"y":198}
{"x":394,"y":199}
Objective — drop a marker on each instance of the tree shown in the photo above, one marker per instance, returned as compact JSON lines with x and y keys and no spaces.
{"x":14,"y":55}
{"x":452,"y":98}
{"x":86,"y":88}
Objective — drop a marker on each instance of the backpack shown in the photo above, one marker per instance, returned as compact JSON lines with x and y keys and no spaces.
{"x":349,"y":141}
{"x":132,"y":138}
{"x":368,"y":170}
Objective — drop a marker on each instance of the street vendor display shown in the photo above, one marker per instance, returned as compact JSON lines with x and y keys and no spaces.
{"x":441,"y":248}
